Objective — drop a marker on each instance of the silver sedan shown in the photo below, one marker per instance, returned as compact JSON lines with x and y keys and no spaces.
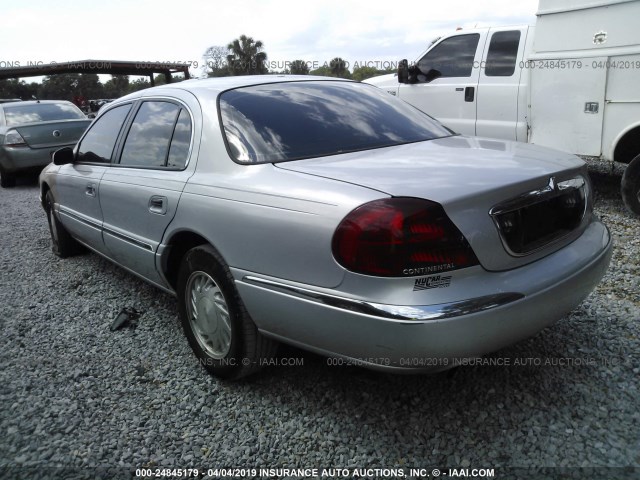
{"x":329,"y":215}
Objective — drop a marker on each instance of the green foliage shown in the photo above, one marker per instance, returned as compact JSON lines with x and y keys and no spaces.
{"x":323,"y":71}
{"x":335,"y":68}
{"x":117,"y":86}
{"x":15,"y":88}
{"x":299,"y":67}
{"x":160,"y":79}
{"x":70,"y":86}
{"x":215,"y":61}
{"x":246,"y":57}
{"x":362,"y":73}
{"x":339,"y":68}
{"x":139,"y":84}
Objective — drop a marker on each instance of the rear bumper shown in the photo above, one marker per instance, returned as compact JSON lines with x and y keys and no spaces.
{"x":428,"y":337}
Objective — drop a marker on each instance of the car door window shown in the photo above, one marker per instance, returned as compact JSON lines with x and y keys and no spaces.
{"x":453,"y":57}
{"x":149,"y":138}
{"x":503,"y":50}
{"x":97,"y":145}
{"x":181,"y":141}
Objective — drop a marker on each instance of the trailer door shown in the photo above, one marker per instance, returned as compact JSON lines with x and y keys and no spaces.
{"x":567,"y":103}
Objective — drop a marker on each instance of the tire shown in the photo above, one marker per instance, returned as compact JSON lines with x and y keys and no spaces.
{"x":630,"y":188}
{"x":7,"y":180}
{"x":225,"y":339}
{"x":62,"y":243}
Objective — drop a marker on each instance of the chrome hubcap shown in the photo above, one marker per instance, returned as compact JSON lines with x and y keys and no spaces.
{"x":208,"y":314}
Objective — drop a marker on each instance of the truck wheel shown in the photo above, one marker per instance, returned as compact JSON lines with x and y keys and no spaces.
{"x":7,"y":180}
{"x":631,"y":186}
{"x":62,"y":243}
{"x":214,"y":319}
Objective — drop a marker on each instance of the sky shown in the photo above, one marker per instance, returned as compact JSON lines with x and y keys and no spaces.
{"x":362,"y":32}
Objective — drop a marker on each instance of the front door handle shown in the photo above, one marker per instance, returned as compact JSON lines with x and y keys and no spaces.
{"x":90,"y":190}
{"x":158,"y":204}
{"x":469,"y":94}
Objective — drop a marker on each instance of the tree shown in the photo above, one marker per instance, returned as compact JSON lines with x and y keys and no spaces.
{"x":139,"y":84}
{"x":160,"y":79}
{"x":362,"y":73}
{"x":70,"y":86}
{"x":246,"y":57}
{"x":299,"y":67}
{"x":117,"y":86}
{"x":14,"y":88}
{"x":323,"y":71}
{"x":339,"y":68}
{"x":215,"y":61}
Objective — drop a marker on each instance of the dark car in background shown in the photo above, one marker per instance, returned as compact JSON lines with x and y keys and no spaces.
{"x":31,"y":131}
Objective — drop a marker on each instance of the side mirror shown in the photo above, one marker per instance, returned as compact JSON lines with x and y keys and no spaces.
{"x":63,"y":156}
{"x":403,"y":71}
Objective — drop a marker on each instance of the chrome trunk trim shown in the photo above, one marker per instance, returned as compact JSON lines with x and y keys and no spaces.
{"x":438,"y":311}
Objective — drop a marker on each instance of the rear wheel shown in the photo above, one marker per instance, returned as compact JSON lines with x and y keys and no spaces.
{"x":62,"y":243}
{"x":630,"y":188}
{"x":214,"y":319}
{"x":7,"y":180}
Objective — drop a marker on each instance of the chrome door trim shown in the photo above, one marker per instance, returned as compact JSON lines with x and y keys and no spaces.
{"x":93,"y":224}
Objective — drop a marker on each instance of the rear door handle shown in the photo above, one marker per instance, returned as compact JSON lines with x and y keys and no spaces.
{"x":158,"y":204}
{"x":469,"y":94}
{"x":90,"y":190}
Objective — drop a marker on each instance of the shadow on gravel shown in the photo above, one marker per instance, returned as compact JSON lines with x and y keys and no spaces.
{"x":26,"y":182}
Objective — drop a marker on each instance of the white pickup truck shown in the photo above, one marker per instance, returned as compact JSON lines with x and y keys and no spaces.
{"x":572,"y":82}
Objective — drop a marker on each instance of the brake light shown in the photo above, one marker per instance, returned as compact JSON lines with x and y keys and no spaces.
{"x":397,"y":237}
{"x":13,"y":139}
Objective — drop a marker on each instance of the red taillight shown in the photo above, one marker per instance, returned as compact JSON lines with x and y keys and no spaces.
{"x":398,"y":237}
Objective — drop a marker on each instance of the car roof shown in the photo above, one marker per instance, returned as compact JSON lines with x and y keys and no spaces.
{"x":213,"y":86}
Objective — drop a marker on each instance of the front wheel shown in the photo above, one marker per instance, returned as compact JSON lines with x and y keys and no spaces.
{"x":214,"y":319}
{"x":62,"y":243}
{"x":630,"y":188}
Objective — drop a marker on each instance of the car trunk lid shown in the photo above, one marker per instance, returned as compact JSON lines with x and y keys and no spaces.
{"x":52,"y":133}
{"x":469,"y":177}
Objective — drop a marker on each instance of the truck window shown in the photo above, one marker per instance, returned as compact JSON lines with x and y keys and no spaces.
{"x":453,"y":57}
{"x":503,"y":50}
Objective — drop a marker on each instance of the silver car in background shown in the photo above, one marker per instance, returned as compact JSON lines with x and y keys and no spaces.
{"x":329,"y":215}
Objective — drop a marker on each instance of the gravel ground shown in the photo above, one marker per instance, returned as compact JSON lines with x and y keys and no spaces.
{"x":80,"y":401}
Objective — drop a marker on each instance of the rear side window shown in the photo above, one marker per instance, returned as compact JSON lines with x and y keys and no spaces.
{"x":179,"y":150}
{"x":41,"y":112}
{"x":294,"y":120}
{"x":503,"y":52}
{"x":97,"y":145}
{"x":453,"y":57}
{"x":159,"y":136}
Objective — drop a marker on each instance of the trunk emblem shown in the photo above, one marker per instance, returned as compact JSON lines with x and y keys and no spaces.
{"x":56,"y":133}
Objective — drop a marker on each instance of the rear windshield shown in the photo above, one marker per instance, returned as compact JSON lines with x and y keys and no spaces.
{"x":16,"y":114}
{"x":288,"y":121}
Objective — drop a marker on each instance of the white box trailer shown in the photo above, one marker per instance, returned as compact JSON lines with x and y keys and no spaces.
{"x":570,"y":82}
